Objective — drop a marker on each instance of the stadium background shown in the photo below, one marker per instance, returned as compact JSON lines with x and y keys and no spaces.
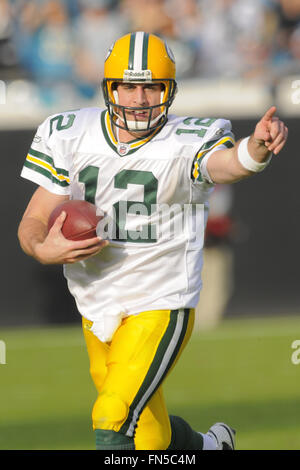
{"x":234,"y":59}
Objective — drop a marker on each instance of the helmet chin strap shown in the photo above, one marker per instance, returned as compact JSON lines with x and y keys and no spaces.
{"x":138,"y":125}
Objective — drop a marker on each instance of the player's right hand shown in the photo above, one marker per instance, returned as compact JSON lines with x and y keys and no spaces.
{"x":56,"y":249}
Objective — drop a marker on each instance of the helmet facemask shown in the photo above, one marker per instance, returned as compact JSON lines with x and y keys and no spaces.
{"x":118,"y":112}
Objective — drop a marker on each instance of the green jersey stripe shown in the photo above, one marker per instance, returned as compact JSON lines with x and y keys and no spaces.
{"x":228,"y":144}
{"x":105,"y":133}
{"x":211,"y":143}
{"x":47,"y":159}
{"x":45,"y":172}
{"x":41,"y":155}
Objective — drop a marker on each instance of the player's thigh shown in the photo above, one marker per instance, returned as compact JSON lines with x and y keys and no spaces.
{"x":142,"y":352}
{"x":97,"y":352}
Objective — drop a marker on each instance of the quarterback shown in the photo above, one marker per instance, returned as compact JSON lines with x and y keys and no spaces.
{"x":137,"y":289}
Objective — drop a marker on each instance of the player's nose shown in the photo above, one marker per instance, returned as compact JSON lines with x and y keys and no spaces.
{"x":140,"y":97}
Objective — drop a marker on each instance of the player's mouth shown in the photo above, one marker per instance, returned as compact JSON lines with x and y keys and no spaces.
{"x":139,"y":115}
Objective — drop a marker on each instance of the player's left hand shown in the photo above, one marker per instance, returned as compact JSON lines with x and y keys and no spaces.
{"x":271,"y":132}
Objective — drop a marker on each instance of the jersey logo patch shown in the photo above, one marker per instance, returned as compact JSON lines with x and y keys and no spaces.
{"x":123,"y":149}
{"x":37,"y":139}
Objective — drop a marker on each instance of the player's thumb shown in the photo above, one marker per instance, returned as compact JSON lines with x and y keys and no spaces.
{"x":59,"y":222}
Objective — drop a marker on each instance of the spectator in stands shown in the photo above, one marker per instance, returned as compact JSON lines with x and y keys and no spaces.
{"x":287,"y":60}
{"x":234,"y":32}
{"x":45,"y":46}
{"x":7,"y":51}
{"x":149,"y":16}
{"x":94,"y":30}
{"x":289,"y":10}
{"x":158,"y":17}
{"x":187,"y":17}
{"x":286,"y":54}
{"x":61,"y":43}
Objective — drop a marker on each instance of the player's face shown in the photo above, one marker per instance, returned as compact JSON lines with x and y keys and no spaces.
{"x":138,"y":96}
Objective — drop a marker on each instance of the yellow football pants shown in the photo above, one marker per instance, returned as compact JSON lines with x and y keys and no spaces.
{"x":128,"y":373}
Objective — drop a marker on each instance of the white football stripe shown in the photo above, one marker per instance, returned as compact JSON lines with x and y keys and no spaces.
{"x":138,"y":51}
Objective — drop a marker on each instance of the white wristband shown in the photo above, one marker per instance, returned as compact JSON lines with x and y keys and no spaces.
{"x":247,"y":161}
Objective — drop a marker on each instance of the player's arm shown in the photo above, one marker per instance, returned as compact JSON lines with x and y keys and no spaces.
{"x":248,"y":157}
{"x":52,"y":247}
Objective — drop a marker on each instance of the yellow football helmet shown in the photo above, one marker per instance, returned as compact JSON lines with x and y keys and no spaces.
{"x":139,"y":58}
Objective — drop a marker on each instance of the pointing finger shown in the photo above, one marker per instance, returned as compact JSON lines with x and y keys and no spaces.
{"x":269,"y":113}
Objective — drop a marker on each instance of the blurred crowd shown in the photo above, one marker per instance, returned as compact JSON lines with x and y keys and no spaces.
{"x":60,"y":45}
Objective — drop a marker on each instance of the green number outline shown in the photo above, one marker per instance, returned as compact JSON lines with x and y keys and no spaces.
{"x":147,"y":234}
{"x":197,"y":122}
{"x":59,"y":125}
{"x":89,"y":176}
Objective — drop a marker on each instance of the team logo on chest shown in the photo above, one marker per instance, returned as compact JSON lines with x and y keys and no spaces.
{"x":123,"y":149}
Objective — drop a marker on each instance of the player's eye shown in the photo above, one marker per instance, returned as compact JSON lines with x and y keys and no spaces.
{"x":128,"y":86}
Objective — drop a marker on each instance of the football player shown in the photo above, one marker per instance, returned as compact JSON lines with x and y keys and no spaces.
{"x":136,"y":285}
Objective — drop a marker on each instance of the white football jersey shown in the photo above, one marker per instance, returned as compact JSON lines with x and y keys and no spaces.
{"x":154,"y":197}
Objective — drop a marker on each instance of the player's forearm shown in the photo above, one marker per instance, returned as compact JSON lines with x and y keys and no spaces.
{"x":232,"y":165}
{"x":31,"y":233}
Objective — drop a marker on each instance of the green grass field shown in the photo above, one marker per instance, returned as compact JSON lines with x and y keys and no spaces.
{"x":240,"y":373}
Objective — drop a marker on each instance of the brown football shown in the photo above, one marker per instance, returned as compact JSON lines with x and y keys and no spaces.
{"x":81,"y":220}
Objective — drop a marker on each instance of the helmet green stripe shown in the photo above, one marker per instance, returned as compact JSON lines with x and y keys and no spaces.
{"x":131,"y":52}
{"x":145,"y":51}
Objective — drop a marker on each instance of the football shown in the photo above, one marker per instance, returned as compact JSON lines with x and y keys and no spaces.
{"x":81,"y":220}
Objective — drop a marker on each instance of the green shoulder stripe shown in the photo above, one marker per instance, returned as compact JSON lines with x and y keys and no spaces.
{"x":46,"y":173}
{"x":44,"y":164}
{"x":47,"y":159}
{"x":226,"y":139}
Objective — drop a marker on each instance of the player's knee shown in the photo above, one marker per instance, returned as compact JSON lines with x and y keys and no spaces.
{"x":109,"y":411}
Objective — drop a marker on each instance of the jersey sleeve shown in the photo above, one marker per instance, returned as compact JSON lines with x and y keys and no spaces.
{"x":44,"y":165}
{"x":222,"y":139}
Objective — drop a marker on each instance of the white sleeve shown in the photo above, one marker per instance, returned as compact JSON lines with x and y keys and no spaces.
{"x":203,"y":164}
{"x":44,"y":165}
{"x":200,"y":172}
